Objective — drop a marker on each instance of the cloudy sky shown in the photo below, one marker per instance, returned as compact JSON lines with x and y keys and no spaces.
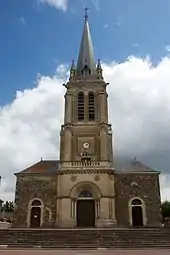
{"x":39,"y":39}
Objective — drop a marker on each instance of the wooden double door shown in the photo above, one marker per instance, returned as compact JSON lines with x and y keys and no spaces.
{"x":85,"y":213}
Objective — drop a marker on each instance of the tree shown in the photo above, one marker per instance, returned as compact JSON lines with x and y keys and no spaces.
{"x":1,"y":205}
{"x":1,"y":202}
{"x":165,"y":209}
{"x":8,"y":206}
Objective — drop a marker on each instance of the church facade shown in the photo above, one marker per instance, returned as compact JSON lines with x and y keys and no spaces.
{"x":83,"y":188}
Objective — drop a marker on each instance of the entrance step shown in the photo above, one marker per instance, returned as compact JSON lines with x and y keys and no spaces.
{"x":85,"y":239}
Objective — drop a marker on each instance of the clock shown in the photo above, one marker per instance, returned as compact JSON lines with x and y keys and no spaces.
{"x":85,"y":145}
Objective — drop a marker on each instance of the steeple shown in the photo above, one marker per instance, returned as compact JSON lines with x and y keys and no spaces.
{"x":72,"y":70}
{"x":86,"y":62}
{"x":99,"y":70}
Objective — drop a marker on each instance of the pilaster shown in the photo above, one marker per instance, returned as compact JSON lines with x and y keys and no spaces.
{"x":68,"y":108}
{"x":103,"y":143}
{"x":67,"y":144}
{"x":103,"y":111}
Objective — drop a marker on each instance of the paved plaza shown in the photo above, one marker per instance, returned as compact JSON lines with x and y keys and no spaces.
{"x":85,"y":252}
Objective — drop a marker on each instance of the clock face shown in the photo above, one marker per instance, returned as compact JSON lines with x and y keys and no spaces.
{"x":85,"y":145}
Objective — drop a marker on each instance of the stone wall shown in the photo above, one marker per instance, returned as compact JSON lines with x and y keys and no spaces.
{"x":35,"y":186}
{"x":144,"y":186}
{"x":5,"y":225}
{"x":7,"y":215}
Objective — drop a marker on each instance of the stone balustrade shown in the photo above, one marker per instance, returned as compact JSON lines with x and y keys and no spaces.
{"x":85,"y":164}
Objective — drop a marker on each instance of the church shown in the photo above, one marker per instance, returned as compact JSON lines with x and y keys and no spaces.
{"x":84,"y":188}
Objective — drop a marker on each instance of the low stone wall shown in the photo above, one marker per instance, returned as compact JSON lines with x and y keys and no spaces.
{"x":5,"y":225}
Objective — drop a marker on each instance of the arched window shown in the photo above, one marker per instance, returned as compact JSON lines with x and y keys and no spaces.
{"x":86,"y":71}
{"x":85,"y":193}
{"x":36,"y":203}
{"x":136,"y":202}
{"x":91,"y":106}
{"x":80,"y":106}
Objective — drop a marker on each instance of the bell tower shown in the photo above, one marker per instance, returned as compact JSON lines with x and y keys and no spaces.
{"x":86,"y":134}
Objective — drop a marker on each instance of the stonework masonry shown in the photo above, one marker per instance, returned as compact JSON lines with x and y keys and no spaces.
{"x":144,"y":186}
{"x":29,"y":187}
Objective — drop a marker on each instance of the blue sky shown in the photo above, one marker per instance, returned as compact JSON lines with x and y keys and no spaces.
{"x":35,"y":38}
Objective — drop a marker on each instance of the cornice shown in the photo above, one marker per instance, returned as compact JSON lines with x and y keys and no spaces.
{"x":85,"y":171}
{"x":136,"y":173}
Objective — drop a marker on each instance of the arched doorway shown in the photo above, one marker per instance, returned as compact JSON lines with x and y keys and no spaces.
{"x":35,"y":214}
{"x":85,"y":210}
{"x":137,"y":213}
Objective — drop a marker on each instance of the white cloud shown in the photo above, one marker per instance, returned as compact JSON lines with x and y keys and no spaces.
{"x":96,"y":4}
{"x":167,"y":48}
{"x":139,"y":96}
{"x":59,"y":4}
{"x":119,"y":21}
{"x":28,"y":128}
{"x":22,"y":20}
{"x":106,"y":25}
{"x":135,"y":45}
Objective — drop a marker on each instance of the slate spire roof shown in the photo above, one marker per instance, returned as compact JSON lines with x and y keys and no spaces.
{"x":86,"y":59}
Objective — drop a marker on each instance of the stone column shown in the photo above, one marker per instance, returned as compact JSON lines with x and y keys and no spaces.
{"x":103,"y":107}
{"x":113,"y":215}
{"x":103,"y":144}
{"x":68,"y":108}
{"x":97,"y":208}
{"x":86,"y":106}
{"x":61,"y":143}
{"x":110,"y":147}
{"x":67,"y":144}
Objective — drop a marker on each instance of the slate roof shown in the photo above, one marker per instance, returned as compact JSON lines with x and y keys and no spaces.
{"x":51,"y":166}
{"x":86,"y":54}
{"x":134,"y":166}
{"x":41,"y":167}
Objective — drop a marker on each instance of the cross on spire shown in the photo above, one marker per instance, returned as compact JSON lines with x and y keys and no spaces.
{"x":86,"y":13}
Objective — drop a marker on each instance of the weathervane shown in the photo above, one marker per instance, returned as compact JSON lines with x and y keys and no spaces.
{"x":86,"y":13}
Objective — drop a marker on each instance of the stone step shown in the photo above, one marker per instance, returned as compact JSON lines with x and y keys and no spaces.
{"x":124,"y":246}
{"x":86,"y":239}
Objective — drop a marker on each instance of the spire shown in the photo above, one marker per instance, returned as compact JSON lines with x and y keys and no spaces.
{"x":86,"y":62}
{"x":72,"y":70}
{"x":99,"y":70}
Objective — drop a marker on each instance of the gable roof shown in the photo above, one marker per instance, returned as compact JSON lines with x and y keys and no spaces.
{"x":41,"y":167}
{"x":134,"y":165}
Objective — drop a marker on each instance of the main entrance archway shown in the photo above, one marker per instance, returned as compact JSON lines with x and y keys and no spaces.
{"x":137,"y":213}
{"x":85,"y":210}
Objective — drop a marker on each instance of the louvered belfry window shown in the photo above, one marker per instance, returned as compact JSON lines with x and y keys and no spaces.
{"x":80,"y":106}
{"x":91,"y":106}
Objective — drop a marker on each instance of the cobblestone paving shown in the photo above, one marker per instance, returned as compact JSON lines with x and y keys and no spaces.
{"x":81,"y":252}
